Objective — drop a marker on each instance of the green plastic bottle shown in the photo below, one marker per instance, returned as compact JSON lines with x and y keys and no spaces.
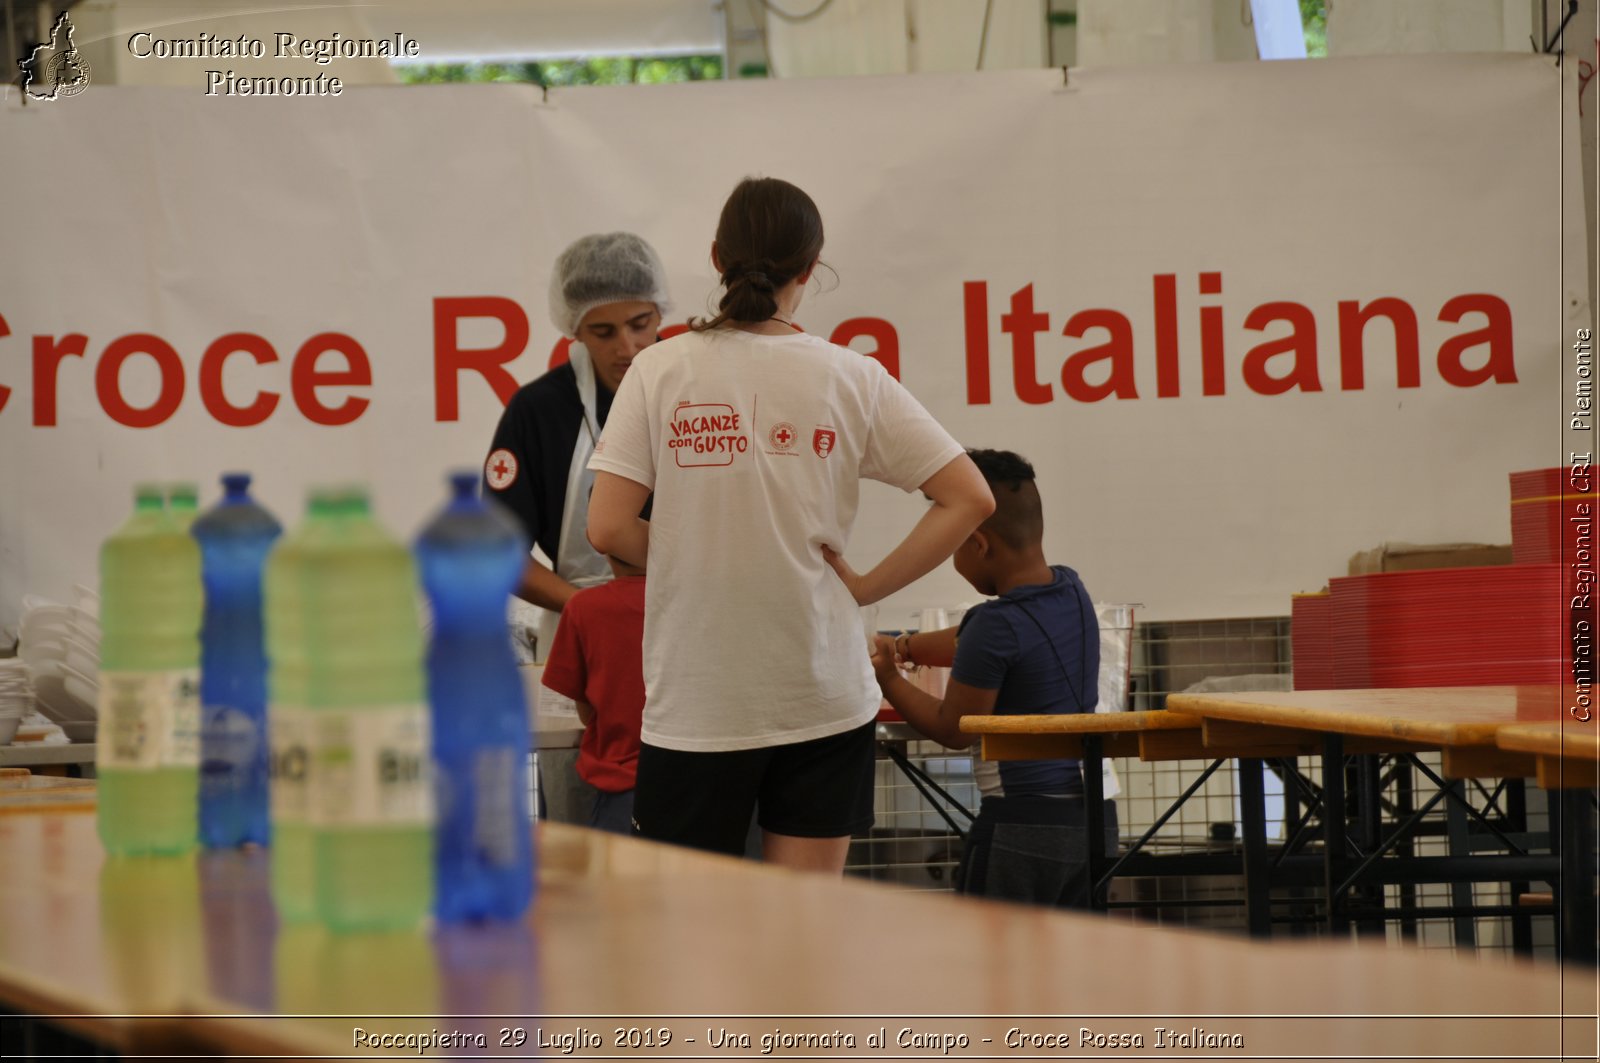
{"x":183,"y":502}
{"x":148,"y":750}
{"x":293,"y":877}
{"x":356,"y":680}
{"x":372,"y":789}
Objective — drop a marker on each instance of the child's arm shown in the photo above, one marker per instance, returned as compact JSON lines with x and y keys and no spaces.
{"x":936,"y":649}
{"x":939,"y":720}
{"x":585,"y":712}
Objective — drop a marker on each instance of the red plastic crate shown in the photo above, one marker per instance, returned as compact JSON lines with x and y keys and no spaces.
{"x":1540,"y":525}
{"x":1539,"y":483}
{"x":1450,"y":627}
{"x":1311,"y":639}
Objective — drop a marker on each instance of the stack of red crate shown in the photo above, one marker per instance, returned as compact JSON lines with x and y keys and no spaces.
{"x":1460,"y":626}
{"x":1313,"y":647}
{"x":1540,"y":513}
{"x":1448,"y":627}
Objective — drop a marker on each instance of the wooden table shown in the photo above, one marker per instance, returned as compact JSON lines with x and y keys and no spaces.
{"x":1089,"y":738}
{"x":1566,"y":754}
{"x":1147,"y":735}
{"x":628,"y":934}
{"x":1567,"y":762}
{"x":1161,"y":736}
{"x":1461,"y":722}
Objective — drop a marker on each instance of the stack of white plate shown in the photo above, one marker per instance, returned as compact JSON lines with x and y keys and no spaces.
{"x":60,"y":644}
{"x":16,"y":697}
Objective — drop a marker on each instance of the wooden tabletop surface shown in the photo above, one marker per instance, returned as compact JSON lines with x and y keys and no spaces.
{"x":1078,"y":723}
{"x":1445,"y":716}
{"x":1567,"y":738}
{"x":692,"y":943}
{"x":1566,"y":754}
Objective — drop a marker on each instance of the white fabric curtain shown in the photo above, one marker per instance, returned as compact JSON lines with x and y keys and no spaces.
{"x":903,"y":36}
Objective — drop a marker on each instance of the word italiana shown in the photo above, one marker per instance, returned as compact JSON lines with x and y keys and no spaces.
{"x":1479,"y":352}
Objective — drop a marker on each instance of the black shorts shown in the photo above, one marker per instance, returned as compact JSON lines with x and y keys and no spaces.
{"x":816,"y":789}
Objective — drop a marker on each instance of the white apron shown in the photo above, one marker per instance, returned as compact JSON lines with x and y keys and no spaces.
{"x":576,"y":561}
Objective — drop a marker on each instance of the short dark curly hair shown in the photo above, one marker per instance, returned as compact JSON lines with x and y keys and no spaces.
{"x":1018,"y":518}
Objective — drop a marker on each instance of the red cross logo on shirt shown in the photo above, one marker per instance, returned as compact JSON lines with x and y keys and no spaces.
{"x":500,"y":471}
{"x":782,"y":435}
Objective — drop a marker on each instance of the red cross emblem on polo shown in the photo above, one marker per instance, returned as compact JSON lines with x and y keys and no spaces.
{"x":501,"y":469}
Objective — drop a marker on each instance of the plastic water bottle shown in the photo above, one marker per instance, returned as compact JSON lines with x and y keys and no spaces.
{"x":234,"y":538}
{"x":237,"y":926}
{"x":371,"y":790}
{"x":150,"y":909}
{"x":148,"y":754}
{"x":471,"y":555}
{"x":293,"y":873}
{"x":183,"y":502}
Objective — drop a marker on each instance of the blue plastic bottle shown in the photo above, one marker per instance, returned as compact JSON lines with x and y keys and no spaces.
{"x":234,"y":539}
{"x":470,"y":557}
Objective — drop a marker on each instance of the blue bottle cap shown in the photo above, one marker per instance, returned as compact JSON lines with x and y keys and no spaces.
{"x":236,"y":484}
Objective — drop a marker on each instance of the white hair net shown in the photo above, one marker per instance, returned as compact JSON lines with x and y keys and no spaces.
{"x":605,"y":268}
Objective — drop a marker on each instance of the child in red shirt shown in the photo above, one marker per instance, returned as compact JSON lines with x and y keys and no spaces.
{"x":596,"y":659}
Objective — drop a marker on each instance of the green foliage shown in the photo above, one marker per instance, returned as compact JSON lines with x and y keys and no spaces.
{"x":608,"y":70}
{"x":1314,"y":16}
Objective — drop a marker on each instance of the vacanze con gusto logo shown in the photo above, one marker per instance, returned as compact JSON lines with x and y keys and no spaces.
{"x":328,"y":372}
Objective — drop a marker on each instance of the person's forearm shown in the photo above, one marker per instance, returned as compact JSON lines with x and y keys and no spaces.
{"x":935,"y":537}
{"x":935,"y":649}
{"x":614,"y":526}
{"x":544,"y":588}
{"x":961,"y":501}
{"x":630,"y":542}
{"x":924,"y":712}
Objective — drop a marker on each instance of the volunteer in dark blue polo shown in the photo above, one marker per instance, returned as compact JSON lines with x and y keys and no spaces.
{"x":608,"y":293}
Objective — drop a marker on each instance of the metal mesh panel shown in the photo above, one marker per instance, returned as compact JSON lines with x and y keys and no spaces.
{"x":1168,"y":657}
{"x":915,"y":841}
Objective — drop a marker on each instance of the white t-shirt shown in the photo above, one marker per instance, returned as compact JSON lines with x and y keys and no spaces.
{"x":755,"y":447}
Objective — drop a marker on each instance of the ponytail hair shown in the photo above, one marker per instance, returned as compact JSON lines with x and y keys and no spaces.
{"x":770,"y":233}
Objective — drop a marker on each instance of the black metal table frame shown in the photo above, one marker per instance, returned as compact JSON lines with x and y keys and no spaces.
{"x":1262,"y":871}
{"x":1567,"y":867}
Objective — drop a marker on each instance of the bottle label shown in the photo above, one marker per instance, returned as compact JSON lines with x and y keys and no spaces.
{"x":289,"y":738}
{"x":149,"y":720}
{"x":495,"y":828}
{"x":229,"y":742}
{"x":370,"y":767}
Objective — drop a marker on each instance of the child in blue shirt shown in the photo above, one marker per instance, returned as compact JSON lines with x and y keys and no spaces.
{"x":1034,"y":648}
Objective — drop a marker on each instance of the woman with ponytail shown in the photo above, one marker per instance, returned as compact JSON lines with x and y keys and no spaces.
{"x":754,"y":436}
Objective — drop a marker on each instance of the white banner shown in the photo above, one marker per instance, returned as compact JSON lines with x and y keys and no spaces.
{"x":1245,"y":319}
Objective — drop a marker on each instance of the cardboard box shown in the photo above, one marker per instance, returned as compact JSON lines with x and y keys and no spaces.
{"x":1409,"y":557}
